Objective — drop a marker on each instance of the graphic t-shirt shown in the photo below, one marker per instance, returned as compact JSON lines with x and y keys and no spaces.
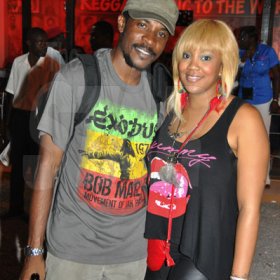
{"x":99,"y":211}
{"x":205,"y":206}
{"x":160,"y":203}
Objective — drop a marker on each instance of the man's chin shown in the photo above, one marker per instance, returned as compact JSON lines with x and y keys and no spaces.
{"x":138,"y":66}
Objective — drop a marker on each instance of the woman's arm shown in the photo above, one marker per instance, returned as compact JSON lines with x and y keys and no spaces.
{"x":252,"y":150}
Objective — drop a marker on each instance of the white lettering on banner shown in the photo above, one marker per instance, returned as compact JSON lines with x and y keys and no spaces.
{"x":102,"y":5}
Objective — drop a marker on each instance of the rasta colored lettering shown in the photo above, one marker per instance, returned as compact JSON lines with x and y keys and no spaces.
{"x":121,"y":157}
{"x":125,"y":125}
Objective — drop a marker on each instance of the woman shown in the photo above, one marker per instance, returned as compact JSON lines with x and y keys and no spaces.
{"x":259,"y":62}
{"x":207,"y":170}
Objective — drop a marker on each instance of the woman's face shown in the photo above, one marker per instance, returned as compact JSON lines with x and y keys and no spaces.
{"x":199,"y":70}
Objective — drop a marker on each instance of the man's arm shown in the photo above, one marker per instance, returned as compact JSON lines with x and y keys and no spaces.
{"x":48,"y":165}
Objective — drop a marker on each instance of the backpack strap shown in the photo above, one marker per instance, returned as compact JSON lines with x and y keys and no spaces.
{"x":92,"y":86}
{"x":161,"y":83}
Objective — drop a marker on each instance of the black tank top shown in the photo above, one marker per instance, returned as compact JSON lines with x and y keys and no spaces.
{"x":205,"y":207}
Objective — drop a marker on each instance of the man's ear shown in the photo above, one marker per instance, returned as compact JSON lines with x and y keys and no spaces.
{"x":121,"y":23}
{"x":28,"y":43}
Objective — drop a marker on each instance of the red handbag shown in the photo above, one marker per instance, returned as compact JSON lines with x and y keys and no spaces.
{"x":158,"y":254}
{"x":159,"y":250}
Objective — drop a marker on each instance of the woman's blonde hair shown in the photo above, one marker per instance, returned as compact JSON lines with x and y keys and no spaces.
{"x":211,"y":34}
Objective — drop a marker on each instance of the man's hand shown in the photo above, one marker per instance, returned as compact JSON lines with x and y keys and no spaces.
{"x":33,"y":264}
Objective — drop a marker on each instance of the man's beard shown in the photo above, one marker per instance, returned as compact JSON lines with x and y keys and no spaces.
{"x":130,"y":63}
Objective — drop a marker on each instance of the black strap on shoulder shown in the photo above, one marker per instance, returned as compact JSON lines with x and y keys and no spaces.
{"x":159,"y":77}
{"x":92,"y":86}
{"x":161,"y":83}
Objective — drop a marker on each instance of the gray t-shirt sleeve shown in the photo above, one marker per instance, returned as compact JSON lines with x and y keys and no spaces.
{"x":64,"y":99}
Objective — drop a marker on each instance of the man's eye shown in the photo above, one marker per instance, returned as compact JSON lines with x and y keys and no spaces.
{"x":163,"y":34}
{"x":142,"y":25}
{"x":186,"y":55}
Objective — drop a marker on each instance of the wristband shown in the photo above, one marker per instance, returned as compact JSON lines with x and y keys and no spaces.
{"x":275,"y":99}
{"x":29,"y":251}
{"x":237,"y":278}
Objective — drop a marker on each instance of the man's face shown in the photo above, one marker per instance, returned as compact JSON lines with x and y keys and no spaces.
{"x":244,"y":41}
{"x":97,"y":39}
{"x":38,"y":45}
{"x":142,"y":42}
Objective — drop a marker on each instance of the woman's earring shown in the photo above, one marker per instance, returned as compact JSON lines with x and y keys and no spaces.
{"x":219,"y":88}
{"x":183,"y":94}
{"x":181,"y":88}
{"x":220,"y":94}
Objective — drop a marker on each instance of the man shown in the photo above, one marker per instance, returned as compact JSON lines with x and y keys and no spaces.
{"x":30,"y":76}
{"x":101,"y":35}
{"x":259,"y":76}
{"x":95,"y":227}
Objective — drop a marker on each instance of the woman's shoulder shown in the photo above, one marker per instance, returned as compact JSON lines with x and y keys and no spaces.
{"x":247,"y":111}
{"x":247,"y":118}
{"x":246,"y":128}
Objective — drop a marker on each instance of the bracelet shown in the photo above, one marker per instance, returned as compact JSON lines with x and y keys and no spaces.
{"x":237,"y":278}
{"x":29,"y":251}
{"x":275,"y":99}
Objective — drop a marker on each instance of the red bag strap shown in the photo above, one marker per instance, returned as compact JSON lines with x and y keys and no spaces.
{"x":213,"y":106}
{"x":169,"y":260}
{"x":169,"y":230}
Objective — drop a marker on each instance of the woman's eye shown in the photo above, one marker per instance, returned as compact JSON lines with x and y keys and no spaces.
{"x":206,"y":57}
{"x":186,"y":55}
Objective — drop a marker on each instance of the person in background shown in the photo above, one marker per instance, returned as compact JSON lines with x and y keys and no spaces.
{"x":96,"y":223}
{"x":101,"y":35}
{"x":76,"y":51}
{"x":206,"y":168}
{"x":259,"y":76}
{"x":56,"y":38}
{"x":57,"y":41}
{"x":29,"y":78}
{"x":55,"y":54}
